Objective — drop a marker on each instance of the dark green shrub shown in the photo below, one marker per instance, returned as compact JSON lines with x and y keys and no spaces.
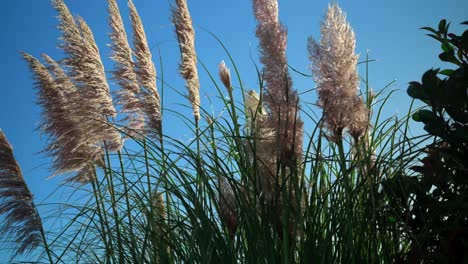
{"x":433,"y":207}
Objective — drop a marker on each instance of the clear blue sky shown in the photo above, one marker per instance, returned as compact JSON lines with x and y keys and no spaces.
{"x":389,"y":29}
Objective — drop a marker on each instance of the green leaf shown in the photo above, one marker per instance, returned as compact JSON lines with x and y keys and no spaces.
{"x":464,"y":23}
{"x":449,"y":57}
{"x":435,"y":37}
{"x":446,"y":47}
{"x":431,"y":82}
{"x":430,"y":77}
{"x":424,"y":116}
{"x":442,"y":25}
{"x":416,"y":91}
{"x":446,"y":72}
{"x":464,"y":40}
{"x":430,"y":30}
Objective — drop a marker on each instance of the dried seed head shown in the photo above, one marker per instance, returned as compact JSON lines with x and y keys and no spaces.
{"x":209,"y":120}
{"x":93,"y":101}
{"x":253,"y":107}
{"x":225,"y":76}
{"x":129,"y":94}
{"x":266,"y":11}
{"x":157,"y":204}
{"x":228,"y":206}
{"x":359,"y":123}
{"x":21,"y":221}
{"x":93,"y":75}
{"x":279,"y":97}
{"x":188,"y":65}
{"x":334,"y":65}
{"x":146,"y":71}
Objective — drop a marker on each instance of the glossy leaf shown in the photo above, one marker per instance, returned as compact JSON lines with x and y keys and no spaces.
{"x":449,"y":57}
{"x":416,"y":91}
{"x":464,"y":40}
{"x":442,"y":25}
{"x":424,"y":116}
{"x":446,"y":72}
{"x":430,"y":29}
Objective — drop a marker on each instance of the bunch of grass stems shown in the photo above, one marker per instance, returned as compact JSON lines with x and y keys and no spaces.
{"x":342,"y":216}
{"x":170,"y":201}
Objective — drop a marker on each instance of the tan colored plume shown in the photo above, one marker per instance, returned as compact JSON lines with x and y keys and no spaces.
{"x":21,"y":222}
{"x":86,"y":69}
{"x":225,"y":75}
{"x":188,"y":65}
{"x":72,"y":136}
{"x":334,"y":65}
{"x":129,"y":94}
{"x":280,"y":133}
{"x":146,"y":74}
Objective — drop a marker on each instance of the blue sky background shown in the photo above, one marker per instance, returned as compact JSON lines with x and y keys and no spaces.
{"x":388,"y":29}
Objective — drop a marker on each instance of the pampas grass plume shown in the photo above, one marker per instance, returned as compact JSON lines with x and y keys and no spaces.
{"x":146,"y":74}
{"x":22,"y":222}
{"x":334,"y":65}
{"x":124,"y":74}
{"x":225,"y":75}
{"x":188,"y":66}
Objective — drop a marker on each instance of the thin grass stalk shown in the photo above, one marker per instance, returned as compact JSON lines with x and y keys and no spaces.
{"x":198,"y":160}
{"x":46,"y":244}
{"x":285,"y":217}
{"x":164,"y":156}
{"x":110,"y":183}
{"x":231,"y":108}
{"x":149,"y":187}
{"x":234,"y":116}
{"x":128,"y":206}
{"x":102,"y":219}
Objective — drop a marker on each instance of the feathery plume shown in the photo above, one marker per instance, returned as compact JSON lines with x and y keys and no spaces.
{"x":266,"y":11}
{"x":158,"y":223}
{"x":157,"y":204}
{"x":227,"y":205}
{"x":87,"y":72}
{"x":335,"y":74}
{"x":264,"y":140}
{"x":279,"y":141}
{"x":93,"y":70}
{"x":73,"y":147}
{"x":253,"y":107}
{"x":124,"y":74}
{"x":146,"y":74}
{"x":188,"y":66}
{"x":280,"y":98}
{"x":22,"y":222}
{"x":83,"y":59}
{"x":279,"y":137}
{"x":225,"y":75}
{"x":61,"y":78}
{"x":256,"y":114}
{"x":360,"y":119}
